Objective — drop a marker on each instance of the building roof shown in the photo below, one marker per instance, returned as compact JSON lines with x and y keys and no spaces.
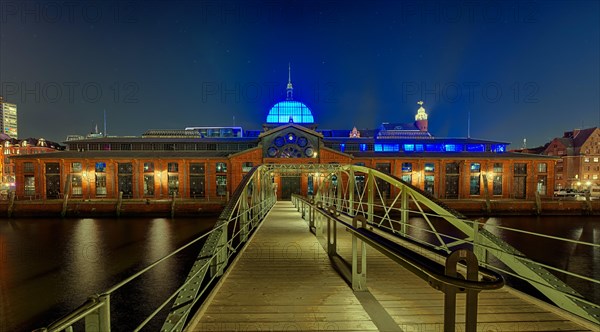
{"x":453,"y":155}
{"x":138,"y":139}
{"x":290,"y":125}
{"x":398,"y":126}
{"x":290,"y":111}
{"x":581,"y":136}
{"x":127,"y":155}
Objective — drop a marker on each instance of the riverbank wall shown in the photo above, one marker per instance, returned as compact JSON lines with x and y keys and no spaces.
{"x":111,"y":208}
{"x":196,"y":207}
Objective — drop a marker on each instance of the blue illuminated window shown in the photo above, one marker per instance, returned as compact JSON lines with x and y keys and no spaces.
{"x":406,"y":167}
{"x":283,"y":111}
{"x":452,"y":147}
{"x":409,"y":147}
{"x":100,"y":167}
{"x":391,"y":147}
{"x":342,"y":147}
{"x":475,"y":167}
{"x":434,"y":147}
{"x":419,"y":147}
{"x":363,"y":147}
{"x":386,"y":147}
{"x":498,"y":148}
{"x":475,"y":147}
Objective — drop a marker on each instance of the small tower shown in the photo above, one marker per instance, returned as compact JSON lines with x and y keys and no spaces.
{"x":354,"y":133}
{"x":290,"y":88}
{"x":421,"y":117}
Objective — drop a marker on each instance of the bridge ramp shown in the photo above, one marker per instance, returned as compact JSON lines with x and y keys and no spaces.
{"x":284,"y":281}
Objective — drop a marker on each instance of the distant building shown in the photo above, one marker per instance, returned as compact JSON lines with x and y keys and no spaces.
{"x":204,"y":162}
{"x":8,"y":119}
{"x":579,"y":166}
{"x":13,"y":147}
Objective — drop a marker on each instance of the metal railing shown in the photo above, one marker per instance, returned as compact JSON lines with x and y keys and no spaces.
{"x":442,"y":276}
{"x":395,"y":207}
{"x":247,"y":207}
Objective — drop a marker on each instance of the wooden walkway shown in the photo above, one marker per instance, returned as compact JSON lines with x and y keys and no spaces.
{"x":284,"y":281}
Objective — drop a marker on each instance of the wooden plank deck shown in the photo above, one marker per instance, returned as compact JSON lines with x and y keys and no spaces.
{"x":284,"y":281}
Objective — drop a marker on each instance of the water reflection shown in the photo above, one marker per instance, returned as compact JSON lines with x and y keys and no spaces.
{"x":50,"y":266}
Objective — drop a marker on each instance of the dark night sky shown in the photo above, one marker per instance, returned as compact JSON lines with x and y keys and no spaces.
{"x":523,"y":69}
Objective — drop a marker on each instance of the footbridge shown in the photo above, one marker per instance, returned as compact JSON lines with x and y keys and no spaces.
{"x":365,"y":251}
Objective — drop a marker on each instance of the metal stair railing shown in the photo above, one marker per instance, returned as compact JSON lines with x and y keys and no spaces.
{"x":441,"y":276}
{"x":392,"y":214}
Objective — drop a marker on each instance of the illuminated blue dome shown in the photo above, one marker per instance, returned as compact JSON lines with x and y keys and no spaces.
{"x":284,"y":110}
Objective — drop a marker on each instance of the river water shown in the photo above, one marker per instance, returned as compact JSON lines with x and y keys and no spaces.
{"x":50,"y":266}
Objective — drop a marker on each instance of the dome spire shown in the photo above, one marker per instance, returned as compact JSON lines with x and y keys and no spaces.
{"x":290,"y":88}
{"x":421,"y":115}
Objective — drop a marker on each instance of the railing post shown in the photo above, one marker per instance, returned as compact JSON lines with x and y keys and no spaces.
{"x":351,"y":181}
{"x":104,"y":312}
{"x":244,"y":229}
{"x":338,"y":189}
{"x":370,"y":196}
{"x":220,"y":261}
{"x":478,"y":248}
{"x":99,"y":319}
{"x":359,"y":273}
{"x":404,"y":210}
{"x":470,"y":261}
{"x":311,"y":214}
{"x":331,"y":232}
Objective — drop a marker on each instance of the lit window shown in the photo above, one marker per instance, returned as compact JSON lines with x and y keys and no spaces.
{"x":149,"y":167}
{"x":363,"y":147}
{"x":498,"y":148}
{"x":452,"y":147}
{"x":475,"y":167}
{"x":221,"y":168}
{"x":391,"y":147}
{"x":542,"y":167}
{"x":28,"y":167}
{"x":429,"y":167}
{"x":475,"y":147}
{"x":247,"y":166}
{"x":100,"y":167}
{"x":497,"y":167}
{"x":409,"y":147}
{"x":406,"y":167}
{"x":173,"y":167}
{"x":76,"y":167}
{"x":434,"y":147}
{"x":419,"y":147}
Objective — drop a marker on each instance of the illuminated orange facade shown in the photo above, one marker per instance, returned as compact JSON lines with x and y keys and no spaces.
{"x":202,"y":162}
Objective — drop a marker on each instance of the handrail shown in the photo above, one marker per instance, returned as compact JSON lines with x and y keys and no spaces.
{"x":249,"y":214}
{"x":422,"y":266}
{"x":91,"y":304}
{"x":358,"y":190}
{"x":443,"y":277}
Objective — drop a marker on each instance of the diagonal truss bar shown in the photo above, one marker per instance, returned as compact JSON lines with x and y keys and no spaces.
{"x":553,"y":288}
